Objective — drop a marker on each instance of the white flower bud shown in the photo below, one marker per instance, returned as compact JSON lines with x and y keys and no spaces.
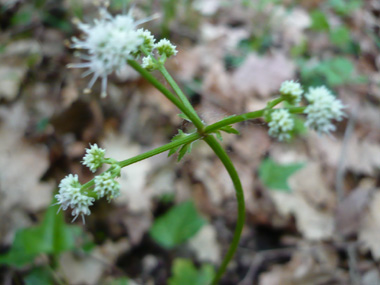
{"x":148,"y":63}
{"x":292,"y":91}
{"x":94,"y":157}
{"x":105,"y":185}
{"x":323,"y":108}
{"x":164,"y":46}
{"x":281,"y":124}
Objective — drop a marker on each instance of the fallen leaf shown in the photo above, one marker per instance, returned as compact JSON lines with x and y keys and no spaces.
{"x":263,"y":75}
{"x":205,"y":245}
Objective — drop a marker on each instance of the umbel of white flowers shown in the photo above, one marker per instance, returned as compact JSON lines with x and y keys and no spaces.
{"x":112,"y":40}
{"x":322,"y":110}
{"x":79,"y":200}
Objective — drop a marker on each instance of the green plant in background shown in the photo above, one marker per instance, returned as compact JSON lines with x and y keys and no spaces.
{"x":178,"y":225}
{"x":52,"y":237}
{"x":275,"y":176}
{"x":184,"y":273}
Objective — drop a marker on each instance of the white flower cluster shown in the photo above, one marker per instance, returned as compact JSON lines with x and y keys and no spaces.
{"x":110,"y":42}
{"x":292,"y":91}
{"x":105,"y":185}
{"x":323,"y":108}
{"x":94,"y":157}
{"x":70,"y":195}
{"x":165,"y":49}
{"x":281,"y":124}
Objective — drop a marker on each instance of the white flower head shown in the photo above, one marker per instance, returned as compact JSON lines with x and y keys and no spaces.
{"x":322,"y":110}
{"x":148,"y":39}
{"x":292,"y":91}
{"x":109,"y":41}
{"x":105,"y":185}
{"x":94,"y":157}
{"x":148,"y":63}
{"x":70,"y":195}
{"x":164,"y":46}
{"x":281,"y":124}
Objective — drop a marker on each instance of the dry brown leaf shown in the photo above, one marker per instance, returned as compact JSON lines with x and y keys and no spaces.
{"x":362,"y":156}
{"x":263,"y":75}
{"x":308,"y":266}
{"x":134,"y":177}
{"x":22,"y":165}
{"x":205,"y":245}
{"x":310,"y":202}
{"x":351,"y":210}
{"x":369,"y":233}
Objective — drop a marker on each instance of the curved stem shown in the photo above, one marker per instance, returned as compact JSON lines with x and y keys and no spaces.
{"x":221,"y":153}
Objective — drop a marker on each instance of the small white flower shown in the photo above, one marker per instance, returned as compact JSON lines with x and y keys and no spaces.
{"x":323,"y":109}
{"x":164,"y":46}
{"x":109,"y":42}
{"x":94,"y":157}
{"x":105,"y":185}
{"x":70,"y":195}
{"x":148,"y":63}
{"x":281,"y":124}
{"x":292,"y":90}
{"x":148,"y":39}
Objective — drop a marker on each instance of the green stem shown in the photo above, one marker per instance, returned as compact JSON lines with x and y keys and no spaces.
{"x":188,"y":139}
{"x":144,"y":73}
{"x":179,"y":92}
{"x":244,"y":117}
{"x":221,"y":153}
{"x":275,"y":102}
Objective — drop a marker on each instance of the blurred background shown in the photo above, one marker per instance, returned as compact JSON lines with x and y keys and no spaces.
{"x":313,"y":205}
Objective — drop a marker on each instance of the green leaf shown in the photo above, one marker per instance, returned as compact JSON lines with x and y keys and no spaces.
{"x":230,"y":130}
{"x":186,"y":148}
{"x":219,"y":136}
{"x":183,"y":116}
{"x":319,"y":21}
{"x":119,"y":281}
{"x":275,"y":176}
{"x":53,"y":236}
{"x":177,"y":225}
{"x":38,"y":276}
{"x":178,"y":136}
{"x":184,"y":273}
{"x":340,"y":36}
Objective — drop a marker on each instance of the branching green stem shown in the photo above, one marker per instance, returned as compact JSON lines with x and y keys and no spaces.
{"x":144,"y":73}
{"x":188,"y":139}
{"x":179,"y":92}
{"x":221,"y":153}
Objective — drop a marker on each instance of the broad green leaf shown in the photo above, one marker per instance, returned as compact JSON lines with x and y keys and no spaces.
{"x":177,"y":225}
{"x":340,"y":36}
{"x":53,"y":236}
{"x":319,"y":21}
{"x":275,"y":176}
{"x":184,"y":273}
{"x":39,"y":276}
